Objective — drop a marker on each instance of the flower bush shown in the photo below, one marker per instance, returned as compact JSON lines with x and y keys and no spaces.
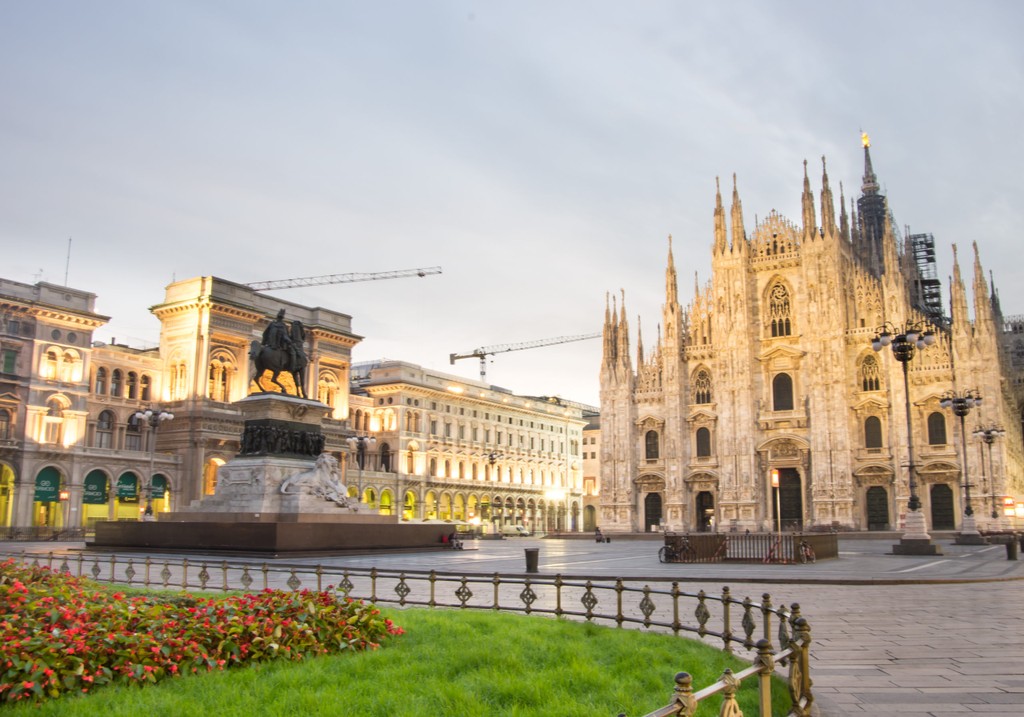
{"x":62,"y":635}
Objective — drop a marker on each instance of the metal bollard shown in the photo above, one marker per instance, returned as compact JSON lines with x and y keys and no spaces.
{"x":532,"y":558}
{"x":1011,"y":550}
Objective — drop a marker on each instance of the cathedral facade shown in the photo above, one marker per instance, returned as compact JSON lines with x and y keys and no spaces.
{"x":763,"y":404}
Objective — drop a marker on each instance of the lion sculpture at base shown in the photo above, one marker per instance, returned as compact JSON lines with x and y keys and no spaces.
{"x":322,"y":481}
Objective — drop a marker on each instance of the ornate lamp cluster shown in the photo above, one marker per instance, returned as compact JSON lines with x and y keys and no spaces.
{"x":905,"y":341}
{"x":961,"y":404}
{"x":153,"y":419}
{"x":989,"y":435}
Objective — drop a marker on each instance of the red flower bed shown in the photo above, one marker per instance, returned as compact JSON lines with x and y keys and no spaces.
{"x":61,"y":635}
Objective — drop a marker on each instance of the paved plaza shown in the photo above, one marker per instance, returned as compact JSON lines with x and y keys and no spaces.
{"x":892,"y":635}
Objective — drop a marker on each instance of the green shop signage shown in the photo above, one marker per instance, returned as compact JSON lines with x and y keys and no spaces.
{"x":94,"y":491}
{"x":159,"y":486}
{"x":128,"y":488}
{"x":48,"y":486}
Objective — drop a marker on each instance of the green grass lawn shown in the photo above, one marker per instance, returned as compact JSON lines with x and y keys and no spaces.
{"x":449,"y":664}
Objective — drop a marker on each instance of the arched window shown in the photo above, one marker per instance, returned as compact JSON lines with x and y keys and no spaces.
{"x":147,"y":387}
{"x":702,"y":387}
{"x":779,"y":311}
{"x":870,"y":376}
{"x":133,"y":385}
{"x":105,"y":430}
{"x":936,"y":429}
{"x":385,"y":457}
{"x":651,"y":445}
{"x":433,"y":467}
{"x":116,"y":383}
{"x":5,"y":423}
{"x":53,"y":423}
{"x":782,"y":392}
{"x":219,"y":380}
{"x":133,"y":434}
{"x":872,"y":432}
{"x":49,"y":364}
{"x":100,"y":387}
{"x":703,"y":442}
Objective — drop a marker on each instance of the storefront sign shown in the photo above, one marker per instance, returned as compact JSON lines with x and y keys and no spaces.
{"x":94,"y":491}
{"x":128,"y":488}
{"x":47,"y":486}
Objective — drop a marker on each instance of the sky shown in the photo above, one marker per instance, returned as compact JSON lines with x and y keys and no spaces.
{"x":540,"y":153}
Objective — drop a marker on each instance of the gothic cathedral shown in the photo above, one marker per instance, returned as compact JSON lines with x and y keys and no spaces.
{"x":763,"y":404}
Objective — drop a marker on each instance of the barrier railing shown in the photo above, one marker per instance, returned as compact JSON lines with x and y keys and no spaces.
{"x":748,"y":547}
{"x":734,"y":623}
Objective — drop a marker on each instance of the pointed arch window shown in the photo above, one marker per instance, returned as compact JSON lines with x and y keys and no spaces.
{"x":702,"y":387}
{"x":870,"y":375}
{"x":779,"y":311}
{"x":703,"y":442}
{"x":936,"y":429}
{"x":651,"y":445}
{"x":782,"y":392}
{"x":872,"y":432}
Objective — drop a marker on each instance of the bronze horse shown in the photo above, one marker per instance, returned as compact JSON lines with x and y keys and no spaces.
{"x":277,"y":360}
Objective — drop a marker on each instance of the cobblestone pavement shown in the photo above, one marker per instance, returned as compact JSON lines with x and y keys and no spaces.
{"x":892,"y":635}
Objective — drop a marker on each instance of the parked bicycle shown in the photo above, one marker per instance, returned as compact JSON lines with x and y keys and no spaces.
{"x":677,"y":549}
{"x":805,"y":553}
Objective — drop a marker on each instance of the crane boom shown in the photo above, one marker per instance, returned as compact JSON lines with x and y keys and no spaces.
{"x":483,"y":352}
{"x":341,"y":278}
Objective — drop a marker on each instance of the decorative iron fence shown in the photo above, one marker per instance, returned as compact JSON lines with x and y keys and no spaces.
{"x":738,"y":624}
{"x":748,"y":547}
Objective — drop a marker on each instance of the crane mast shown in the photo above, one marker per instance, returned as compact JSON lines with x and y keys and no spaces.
{"x":483,"y":352}
{"x":341,"y":278}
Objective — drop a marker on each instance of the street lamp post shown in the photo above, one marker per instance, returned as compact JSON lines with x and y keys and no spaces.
{"x":989,"y":435}
{"x":905,"y":342}
{"x":153,"y":419}
{"x":359,"y":444}
{"x":961,"y":404}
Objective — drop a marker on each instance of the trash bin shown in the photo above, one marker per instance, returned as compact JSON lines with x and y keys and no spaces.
{"x":532,"y":557}
{"x":1011,"y":550}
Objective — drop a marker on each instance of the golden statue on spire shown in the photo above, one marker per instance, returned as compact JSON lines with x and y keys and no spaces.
{"x":865,"y":140}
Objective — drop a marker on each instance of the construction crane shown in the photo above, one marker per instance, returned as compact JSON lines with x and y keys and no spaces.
{"x":341,"y":278}
{"x":485,"y":351}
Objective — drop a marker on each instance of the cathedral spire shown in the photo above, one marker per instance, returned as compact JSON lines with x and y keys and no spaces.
{"x":721,"y":244}
{"x":739,"y":234}
{"x":958,"y":298}
{"x":844,"y":221}
{"x":610,"y":337}
{"x":639,"y":342}
{"x":982,"y":300}
{"x":671,"y":285}
{"x":623,"y":336}
{"x":810,"y":222}
{"x":870,"y":184}
{"x":828,"y":211}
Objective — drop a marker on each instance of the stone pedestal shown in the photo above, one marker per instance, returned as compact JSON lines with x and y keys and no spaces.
{"x":969,"y":534}
{"x":281,"y":495}
{"x":915,"y":540}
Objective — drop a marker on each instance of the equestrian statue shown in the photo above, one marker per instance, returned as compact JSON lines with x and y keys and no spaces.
{"x":281,"y":350}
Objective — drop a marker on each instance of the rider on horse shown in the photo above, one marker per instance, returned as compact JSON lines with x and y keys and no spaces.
{"x":276,"y":336}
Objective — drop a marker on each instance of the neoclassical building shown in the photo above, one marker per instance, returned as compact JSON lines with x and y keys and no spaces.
{"x":462,"y":450}
{"x":72,"y":450}
{"x":770,"y":370}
